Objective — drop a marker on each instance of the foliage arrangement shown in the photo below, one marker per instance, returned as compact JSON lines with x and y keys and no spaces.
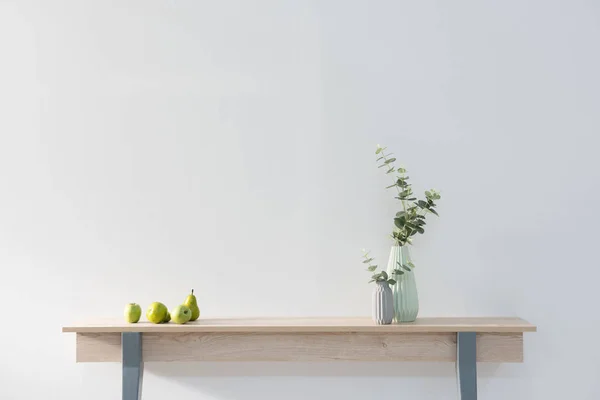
{"x":409,"y":221}
{"x":383,"y":276}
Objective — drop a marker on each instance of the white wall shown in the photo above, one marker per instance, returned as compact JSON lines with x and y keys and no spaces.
{"x":147,"y":147}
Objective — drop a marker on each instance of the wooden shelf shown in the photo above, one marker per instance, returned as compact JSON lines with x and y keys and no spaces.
{"x":311,"y":325}
{"x":304,"y":339}
{"x":464,"y":341}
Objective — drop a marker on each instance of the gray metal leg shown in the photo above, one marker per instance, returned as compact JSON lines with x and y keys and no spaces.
{"x":133,"y":365}
{"x":466,"y":365}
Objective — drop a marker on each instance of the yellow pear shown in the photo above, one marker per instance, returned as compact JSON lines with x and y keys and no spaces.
{"x":192,"y":303}
{"x":181,"y":314}
{"x":157,"y":312}
{"x":132,"y":313}
{"x":167,"y":318}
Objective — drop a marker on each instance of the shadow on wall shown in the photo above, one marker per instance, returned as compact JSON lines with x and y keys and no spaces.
{"x":295,"y":381}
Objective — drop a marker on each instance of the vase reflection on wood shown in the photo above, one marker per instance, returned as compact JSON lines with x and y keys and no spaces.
{"x":406,"y":299}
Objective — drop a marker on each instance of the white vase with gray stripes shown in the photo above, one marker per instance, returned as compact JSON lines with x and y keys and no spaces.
{"x":383,"y":303}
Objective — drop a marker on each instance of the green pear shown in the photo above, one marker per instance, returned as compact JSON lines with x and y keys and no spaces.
{"x":132,"y":313}
{"x":157,"y":312}
{"x":191,"y":302}
{"x":167,"y":318}
{"x":181,"y":314}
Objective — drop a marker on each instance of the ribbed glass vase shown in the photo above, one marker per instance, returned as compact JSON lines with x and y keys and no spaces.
{"x":406,"y":298}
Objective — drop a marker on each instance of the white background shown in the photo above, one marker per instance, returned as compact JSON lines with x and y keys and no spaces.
{"x":148,"y":147}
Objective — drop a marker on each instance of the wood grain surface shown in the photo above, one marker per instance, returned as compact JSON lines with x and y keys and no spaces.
{"x":299,"y":347}
{"x":312,"y":325}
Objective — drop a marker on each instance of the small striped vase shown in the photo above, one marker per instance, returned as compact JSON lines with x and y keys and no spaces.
{"x":383,"y":304}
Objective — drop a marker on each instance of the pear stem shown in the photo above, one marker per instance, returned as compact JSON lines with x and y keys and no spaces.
{"x":192,"y":291}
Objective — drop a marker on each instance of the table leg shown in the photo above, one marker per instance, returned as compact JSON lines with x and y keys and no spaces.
{"x":466,"y":365}
{"x":133,"y":365}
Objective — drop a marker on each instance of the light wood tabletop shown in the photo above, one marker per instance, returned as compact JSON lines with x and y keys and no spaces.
{"x":311,"y":325}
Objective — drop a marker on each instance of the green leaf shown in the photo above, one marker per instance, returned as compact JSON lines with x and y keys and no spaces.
{"x":400,"y":213}
{"x":372,"y":280}
{"x":406,"y":268}
{"x":398,"y":272}
{"x":410,"y":225}
{"x":391,"y":282}
{"x":380,"y":158}
{"x":372,"y":268}
{"x":379,"y":150}
{"x":368,"y":260}
{"x":422,"y":204}
{"x":434,"y":212}
{"x":404,"y":194}
{"x":384,"y":274}
{"x":401,"y":170}
{"x":433,"y":194}
{"x":389,"y":171}
{"x":391,"y":160}
{"x":411,"y":199}
{"x":420,"y":230}
{"x":399,"y":222}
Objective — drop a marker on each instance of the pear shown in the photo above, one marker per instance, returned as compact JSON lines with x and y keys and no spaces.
{"x":157,"y":312}
{"x":191,"y":302}
{"x":167,"y":318}
{"x":181,"y":314}
{"x":132,"y":313}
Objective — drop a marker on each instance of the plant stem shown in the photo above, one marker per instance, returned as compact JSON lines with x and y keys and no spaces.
{"x":397,"y":189}
{"x":403,"y":201}
{"x":384,"y":160}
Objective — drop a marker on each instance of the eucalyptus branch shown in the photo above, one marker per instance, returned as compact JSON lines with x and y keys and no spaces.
{"x":379,"y":276}
{"x":411,"y":220}
{"x":408,"y":222}
{"x":387,"y":162}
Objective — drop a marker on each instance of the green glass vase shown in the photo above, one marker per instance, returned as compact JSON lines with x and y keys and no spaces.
{"x":406,"y":298}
